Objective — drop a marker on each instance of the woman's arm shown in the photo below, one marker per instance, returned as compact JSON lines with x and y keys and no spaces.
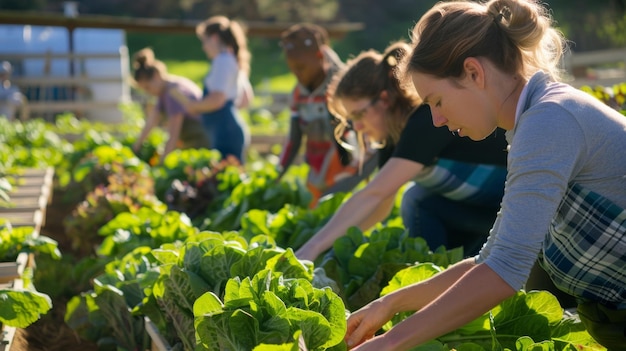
{"x":362,"y":207}
{"x":214,"y":101}
{"x":444,"y":303}
{"x":174,"y":125}
{"x":152,"y":120}
{"x":246,"y":94}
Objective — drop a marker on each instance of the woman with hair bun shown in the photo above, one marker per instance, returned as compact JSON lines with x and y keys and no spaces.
{"x":482,"y":66}
{"x":226,"y":86}
{"x":458,"y":183}
{"x":172,"y":93}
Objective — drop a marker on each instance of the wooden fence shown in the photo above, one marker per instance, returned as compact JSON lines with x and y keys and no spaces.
{"x":604,"y":67}
{"x":79,"y":93}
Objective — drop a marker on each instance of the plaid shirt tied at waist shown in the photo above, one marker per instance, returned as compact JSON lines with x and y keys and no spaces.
{"x":585,"y":251}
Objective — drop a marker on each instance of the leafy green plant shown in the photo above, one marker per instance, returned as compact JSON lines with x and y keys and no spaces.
{"x":145,"y":227}
{"x":164,"y":284}
{"x":22,"y":307}
{"x":291,"y":226}
{"x":13,"y":241}
{"x":205,"y":263}
{"x":104,"y":314}
{"x":526,"y":321}
{"x":127,"y":191}
{"x":191,"y":165}
{"x":614,"y":96}
{"x":198,"y":189}
{"x":5,"y":188}
{"x":362,"y":265}
{"x":260,"y":190}
{"x":30,"y":144}
{"x":268,"y":309}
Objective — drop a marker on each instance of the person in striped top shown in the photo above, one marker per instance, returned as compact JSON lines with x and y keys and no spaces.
{"x":313,"y":62}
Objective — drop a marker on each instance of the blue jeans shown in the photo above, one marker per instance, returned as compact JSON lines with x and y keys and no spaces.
{"x":227,"y":131}
{"x":451,"y":223}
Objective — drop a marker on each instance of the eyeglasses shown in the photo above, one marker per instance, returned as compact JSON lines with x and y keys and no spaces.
{"x":358,"y":114}
{"x":307,"y":43}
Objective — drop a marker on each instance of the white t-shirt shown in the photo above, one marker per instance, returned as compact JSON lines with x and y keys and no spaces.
{"x":224,"y":76}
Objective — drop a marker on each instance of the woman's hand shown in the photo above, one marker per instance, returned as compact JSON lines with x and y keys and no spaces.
{"x":307,"y":252}
{"x":192,"y":108}
{"x":364,"y":323}
{"x":374,"y":344}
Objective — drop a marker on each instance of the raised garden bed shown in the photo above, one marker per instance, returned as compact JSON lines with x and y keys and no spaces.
{"x":10,"y":277}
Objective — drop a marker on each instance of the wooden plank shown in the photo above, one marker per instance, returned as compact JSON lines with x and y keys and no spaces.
{"x":24,"y":219}
{"x":60,"y":106}
{"x":22,"y":192}
{"x":57,"y":81}
{"x":8,"y":272}
{"x":158,"y":342}
{"x":596,"y":57}
{"x":159,"y":25}
{"x":605,"y":82}
{"x":23,"y":204}
{"x":59,"y":55}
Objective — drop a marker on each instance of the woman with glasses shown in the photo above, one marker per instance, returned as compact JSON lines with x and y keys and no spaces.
{"x":458,"y":183}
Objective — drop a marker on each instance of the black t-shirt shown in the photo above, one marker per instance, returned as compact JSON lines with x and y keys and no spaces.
{"x":422,"y":142}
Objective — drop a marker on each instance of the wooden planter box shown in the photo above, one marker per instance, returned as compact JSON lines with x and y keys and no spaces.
{"x":158,"y":343}
{"x":10,"y":271}
{"x":10,"y":277}
{"x":29,"y":198}
{"x":7,"y":333}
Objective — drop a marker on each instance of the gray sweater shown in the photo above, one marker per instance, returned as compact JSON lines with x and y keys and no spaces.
{"x":562,"y":136}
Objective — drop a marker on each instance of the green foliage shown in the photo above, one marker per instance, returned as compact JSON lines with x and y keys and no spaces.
{"x":5,"y":188}
{"x":267,"y":309}
{"x":29,"y":144}
{"x":145,"y":227}
{"x":21,"y":308}
{"x":614,"y":96}
{"x":362,"y":265}
{"x":260,"y":190}
{"x":291,"y":226}
{"x":14,"y":241}
{"x":126,"y":191}
{"x":210,"y":263}
{"x":104,"y":314}
{"x":525,"y":321}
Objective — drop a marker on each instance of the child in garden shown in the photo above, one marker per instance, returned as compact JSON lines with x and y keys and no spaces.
{"x":172,"y":93}
{"x":459,"y":182}
{"x":313,"y":62}
{"x":226,"y":86}
{"x":480,"y":66}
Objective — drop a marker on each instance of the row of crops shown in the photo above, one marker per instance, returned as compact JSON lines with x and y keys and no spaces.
{"x":203,"y":248}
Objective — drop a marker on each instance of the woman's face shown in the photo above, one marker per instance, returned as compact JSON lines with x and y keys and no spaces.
{"x":462,"y":108}
{"x":153,"y":86}
{"x":210,"y":45}
{"x":367,"y":117}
